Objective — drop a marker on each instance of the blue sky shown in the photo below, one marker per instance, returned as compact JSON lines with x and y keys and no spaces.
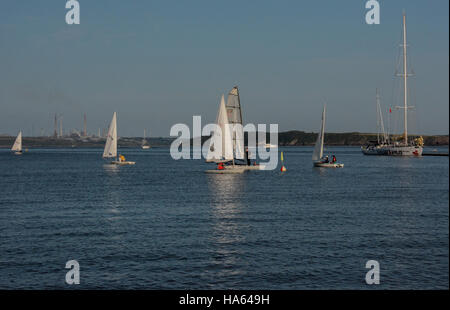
{"x":158,"y":63}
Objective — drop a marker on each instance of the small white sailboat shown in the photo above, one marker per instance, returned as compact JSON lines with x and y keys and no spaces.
{"x":145,"y":145}
{"x":318,"y":159}
{"x":110,"y":150}
{"x":17,"y":146}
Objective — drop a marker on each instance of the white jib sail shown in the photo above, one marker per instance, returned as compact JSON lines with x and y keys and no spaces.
{"x":111,"y":140}
{"x":318,"y":148}
{"x":222,"y":138}
{"x":17,"y":146}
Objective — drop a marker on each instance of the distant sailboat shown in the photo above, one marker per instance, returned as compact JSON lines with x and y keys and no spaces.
{"x":318,"y":159}
{"x":145,"y":145}
{"x":110,"y":150}
{"x":17,"y":146}
{"x":378,"y":146}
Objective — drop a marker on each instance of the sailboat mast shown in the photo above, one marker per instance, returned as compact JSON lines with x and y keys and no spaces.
{"x":115,"y":132}
{"x":242,"y":121}
{"x":323,"y":131}
{"x":380,"y":123}
{"x":378,"y":116}
{"x":405,"y":81}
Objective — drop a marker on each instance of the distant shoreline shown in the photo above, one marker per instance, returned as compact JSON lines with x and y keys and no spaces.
{"x":299,"y":138}
{"x":288,"y":138}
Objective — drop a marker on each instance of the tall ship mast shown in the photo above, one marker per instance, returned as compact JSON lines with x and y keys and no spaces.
{"x":405,"y":87}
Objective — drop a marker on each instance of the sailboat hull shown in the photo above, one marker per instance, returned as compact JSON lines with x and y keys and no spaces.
{"x":235,"y":169}
{"x":226,"y":171}
{"x":122,"y":163}
{"x":404,"y":150}
{"x":145,"y":147}
{"x":328,"y":165}
{"x":373,"y":150}
{"x":393,"y":150}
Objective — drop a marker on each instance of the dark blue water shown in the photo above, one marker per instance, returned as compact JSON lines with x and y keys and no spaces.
{"x":165,"y":224}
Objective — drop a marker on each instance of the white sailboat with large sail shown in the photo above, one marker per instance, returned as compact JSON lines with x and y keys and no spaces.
{"x":231,"y":156}
{"x":110,"y":150}
{"x":145,"y":145}
{"x":17,"y":146}
{"x":405,"y":147}
{"x":318,"y":159}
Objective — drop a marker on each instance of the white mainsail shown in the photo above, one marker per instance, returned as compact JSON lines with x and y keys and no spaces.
{"x":222,"y":138}
{"x":318,"y":148}
{"x":111,"y":140}
{"x":17,"y":146}
{"x":234,"y":114}
{"x":144,"y":142}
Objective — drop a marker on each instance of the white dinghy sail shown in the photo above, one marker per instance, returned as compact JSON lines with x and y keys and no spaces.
{"x":17,"y":146}
{"x":318,"y":148}
{"x":111,"y":140}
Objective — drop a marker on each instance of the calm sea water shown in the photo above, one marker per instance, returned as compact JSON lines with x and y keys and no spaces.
{"x":165,"y":224}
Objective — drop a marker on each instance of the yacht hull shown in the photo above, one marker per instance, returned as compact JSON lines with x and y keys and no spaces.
{"x":393,"y":150}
